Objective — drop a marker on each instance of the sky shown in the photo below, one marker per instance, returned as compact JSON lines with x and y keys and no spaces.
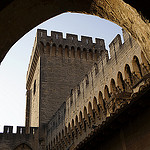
{"x":14,"y":67}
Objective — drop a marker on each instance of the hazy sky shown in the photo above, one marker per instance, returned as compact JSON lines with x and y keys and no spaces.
{"x":14,"y":67}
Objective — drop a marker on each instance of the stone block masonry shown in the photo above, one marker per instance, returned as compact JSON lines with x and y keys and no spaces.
{"x":57,"y":65}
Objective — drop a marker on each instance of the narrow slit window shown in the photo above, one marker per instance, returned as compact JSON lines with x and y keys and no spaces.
{"x":34,"y":88}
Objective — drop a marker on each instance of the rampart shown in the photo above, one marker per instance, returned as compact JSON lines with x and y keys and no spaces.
{"x":57,"y":64}
{"x":10,"y":140}
{"x":109,"y":86}
{"x":56,"y":122}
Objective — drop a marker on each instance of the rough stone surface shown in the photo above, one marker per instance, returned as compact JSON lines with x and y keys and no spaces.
{"x":76,"y":105}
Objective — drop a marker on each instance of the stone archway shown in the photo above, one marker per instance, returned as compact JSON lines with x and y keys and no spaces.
{"x":23,"y":146}
{"x":21,"y":16}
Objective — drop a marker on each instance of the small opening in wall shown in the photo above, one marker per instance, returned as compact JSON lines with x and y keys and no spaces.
{"x":20,"y":130}
{"x":87,"y":41}
{"x":7,"y":130}
{"x":34,"y":88}
{"x":56,"y":36}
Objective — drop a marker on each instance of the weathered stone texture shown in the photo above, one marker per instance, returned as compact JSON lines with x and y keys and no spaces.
{"x":16,"y":141}
{"x":107,"y":88}
{"x":107,"y":69}
{"x":34,"y":98}
{"x":62,"y":64}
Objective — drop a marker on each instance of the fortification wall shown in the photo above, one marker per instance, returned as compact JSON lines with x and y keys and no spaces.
{"x":110,"y":85}
{"x":101,"y":75}
{"x":56,"y":123}
{"x":34,"y":96}
{"x":63,"y":64}
{"x":12,"y":141}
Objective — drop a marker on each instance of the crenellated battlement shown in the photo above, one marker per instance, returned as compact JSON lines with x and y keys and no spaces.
{"x":69,"y":47}
{"x":18,"y":140}
{"x":116,"y":46}
{"x":65,"y":48}
{"x":57,"y":38}
{"x":20,"y":130}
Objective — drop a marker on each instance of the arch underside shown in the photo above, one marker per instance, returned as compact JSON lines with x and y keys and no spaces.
{"x":20,"y":17}
{"x":23,"y":146}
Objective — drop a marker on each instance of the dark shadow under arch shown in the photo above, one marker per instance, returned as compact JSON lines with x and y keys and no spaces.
{"x":128,"y":74}
{"x":22,"y":147}
{"x":136,"y":66}
{"x":120,"y":81}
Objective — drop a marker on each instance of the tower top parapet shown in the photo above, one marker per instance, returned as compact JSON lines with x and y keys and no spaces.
{"x":57,"y":38}
{"x":65,"y":48}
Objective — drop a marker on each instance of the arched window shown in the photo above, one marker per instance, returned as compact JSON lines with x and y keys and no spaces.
{"x":136,"y":66}
{"x":34,"y":87}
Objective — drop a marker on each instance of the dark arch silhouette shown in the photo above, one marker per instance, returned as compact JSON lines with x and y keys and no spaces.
{"x":80,"y":117}
{"x":95,"y":107}
{"x":120,"y":81}
{"x":128,"y":74}
{"x":113,"y":86}
{"x":60,"y":51}
{"x":101,"y":101}
{"x":136,"y":66}
{"x":23,"y":146}
{"x":106,"y":93}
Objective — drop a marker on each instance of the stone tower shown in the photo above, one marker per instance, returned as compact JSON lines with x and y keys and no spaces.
{"x":56,"y":66}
